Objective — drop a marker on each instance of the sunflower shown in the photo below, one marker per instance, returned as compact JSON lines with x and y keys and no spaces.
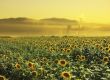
{"x":45,"y":59}
{"x":105,"y":59}
{"x":66,"y":75}
{"x":101,"y":47}
{"x":2,"y":78}
{"x":34,"y":73}
{"x":51,"y":49}
{"x":17,"y":66}
{"x":68,"y":50}
{"x":106,"y":48}
{"x":64,"y":49}
{"x":61,"y":49}
{"x":82,"y":58}
{"x":75,"y":46}
{"x":62,"y":62}
{"x":97,"y":45}
{"x":30,"y":64}
{"x":77,"y":57}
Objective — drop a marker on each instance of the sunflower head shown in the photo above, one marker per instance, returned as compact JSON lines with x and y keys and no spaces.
{"x":2,"y":78}
{"x":17,"y":66}
{"x":62,"y":62}
{"x":82,"y":58}
{"x":105,"y":59}
{"x":34,"y":73}
{"x":45,"y":59}
{"x":97,"y":45}
{"x":106,"y":48}
{"x":68,"y":50}
{"x":51,"y":49}
{"x":64,"y":49}
{"x":78,"y":57}
{"x":30,"y":64}
{"x":66,"y":75}
{"x":101,"y":47}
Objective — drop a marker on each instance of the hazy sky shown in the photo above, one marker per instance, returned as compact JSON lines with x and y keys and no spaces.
{"x":88,"y":10}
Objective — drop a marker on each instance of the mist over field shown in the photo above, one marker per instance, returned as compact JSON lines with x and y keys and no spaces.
{"x":51,"y":26}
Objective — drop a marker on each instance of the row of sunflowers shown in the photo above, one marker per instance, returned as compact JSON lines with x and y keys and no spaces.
{"x":55,"y":58}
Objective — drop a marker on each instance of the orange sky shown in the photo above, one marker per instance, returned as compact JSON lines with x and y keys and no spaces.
{"x":88,"y":10}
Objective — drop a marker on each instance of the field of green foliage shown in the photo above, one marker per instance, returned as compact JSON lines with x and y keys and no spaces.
{"x":55,"y":58}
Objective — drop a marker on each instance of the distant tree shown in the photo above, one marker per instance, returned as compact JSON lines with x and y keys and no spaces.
{"x":68,"y":29}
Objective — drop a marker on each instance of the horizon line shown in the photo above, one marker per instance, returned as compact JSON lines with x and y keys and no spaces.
{"x":57,"y":18}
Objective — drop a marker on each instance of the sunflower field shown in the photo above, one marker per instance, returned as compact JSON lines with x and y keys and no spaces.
{"x":55,"y":58}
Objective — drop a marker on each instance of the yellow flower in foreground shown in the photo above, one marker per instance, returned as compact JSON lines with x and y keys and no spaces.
{"x":30,"y":64}
{"x":17,"y":66}
{"x":66,"y":75}
{"x":2,"y":78}
{"x":62,"y":62}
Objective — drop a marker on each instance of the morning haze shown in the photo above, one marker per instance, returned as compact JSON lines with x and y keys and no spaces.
{"x":55,"y":17}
